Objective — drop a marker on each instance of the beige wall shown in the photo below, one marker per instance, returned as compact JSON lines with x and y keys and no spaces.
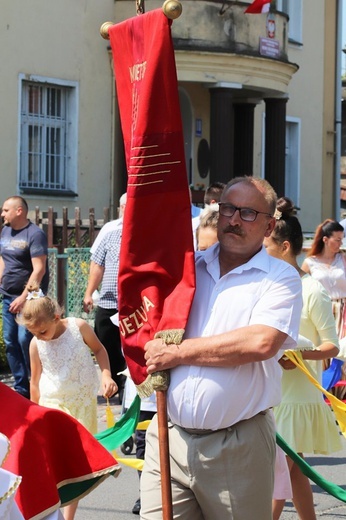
{"x":308,"y":92}
{"x":328,"y":184}
{"x":59,"y":40}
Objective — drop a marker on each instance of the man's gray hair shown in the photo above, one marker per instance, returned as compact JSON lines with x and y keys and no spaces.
{"x":261,"y":184}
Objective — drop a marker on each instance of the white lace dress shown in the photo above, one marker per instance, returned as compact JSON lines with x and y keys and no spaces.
{"x":69,"y":379}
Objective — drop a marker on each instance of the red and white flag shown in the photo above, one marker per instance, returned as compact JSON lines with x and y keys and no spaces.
{"x":156,"y":271}
{"x":258,"y":6}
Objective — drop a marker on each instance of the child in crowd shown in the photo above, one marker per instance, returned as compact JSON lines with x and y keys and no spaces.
{"x":63,"y":374}
{"x":206,"y":233}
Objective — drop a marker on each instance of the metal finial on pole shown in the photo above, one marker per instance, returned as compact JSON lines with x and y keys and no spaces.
{"x":171,"y":8}
{"x":104,"y":29}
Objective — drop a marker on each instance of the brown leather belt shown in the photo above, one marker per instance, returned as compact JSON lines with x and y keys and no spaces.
{"x":195,"y":431}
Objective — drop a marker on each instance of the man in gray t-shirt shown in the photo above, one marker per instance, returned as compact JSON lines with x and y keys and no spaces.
{"x":24,"y":259}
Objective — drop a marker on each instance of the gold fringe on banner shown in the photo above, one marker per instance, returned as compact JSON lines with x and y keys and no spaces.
{"x":160,"y":380}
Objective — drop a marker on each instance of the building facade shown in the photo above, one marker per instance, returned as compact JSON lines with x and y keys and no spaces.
{"x":257,"y":97}
{"x":56,"y":103}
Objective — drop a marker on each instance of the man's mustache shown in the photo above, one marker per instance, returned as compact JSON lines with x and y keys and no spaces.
{"x":235,"y":230}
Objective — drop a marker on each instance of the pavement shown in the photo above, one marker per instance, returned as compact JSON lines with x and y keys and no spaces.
{"x":114,"y":498}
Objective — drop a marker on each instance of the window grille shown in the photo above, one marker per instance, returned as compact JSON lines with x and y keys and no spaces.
{"x":44,"y":136}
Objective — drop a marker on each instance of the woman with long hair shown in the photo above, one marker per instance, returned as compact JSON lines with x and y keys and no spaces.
{"x":325,"y":262}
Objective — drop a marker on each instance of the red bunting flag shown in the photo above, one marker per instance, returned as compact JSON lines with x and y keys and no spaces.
{"x":258,"y":6}
{"x":156,"y":271}
{"x":57,"y":458}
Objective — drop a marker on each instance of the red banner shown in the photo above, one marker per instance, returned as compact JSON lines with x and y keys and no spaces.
{"x":156,"y":272}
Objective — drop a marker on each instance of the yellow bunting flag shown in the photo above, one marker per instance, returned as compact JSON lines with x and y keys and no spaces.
{"x":132,"y":463}
{"x":143,"y":425}
{"x":339,"y":408}
{"x":109,"y":415}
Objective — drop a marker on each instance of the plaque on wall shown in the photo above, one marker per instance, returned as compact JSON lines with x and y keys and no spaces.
{"x":269,"y":47}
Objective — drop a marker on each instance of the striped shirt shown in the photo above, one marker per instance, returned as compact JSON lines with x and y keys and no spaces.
{"x":107,"y":255}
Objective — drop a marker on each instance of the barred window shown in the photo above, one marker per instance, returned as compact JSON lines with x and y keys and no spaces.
{"x":294,"y":9}
{"x":45,"y":162}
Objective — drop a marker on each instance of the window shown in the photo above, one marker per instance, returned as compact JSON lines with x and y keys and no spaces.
{"x":295,"y":13}
{"x":292,"y":159}
{"x":48,"y":151}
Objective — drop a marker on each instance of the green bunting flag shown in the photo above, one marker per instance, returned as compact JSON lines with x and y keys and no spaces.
{"x":122,"y":430}
{"x":308,"y":471}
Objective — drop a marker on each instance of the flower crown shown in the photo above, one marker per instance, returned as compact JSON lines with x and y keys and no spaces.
{"x":34,"y":295}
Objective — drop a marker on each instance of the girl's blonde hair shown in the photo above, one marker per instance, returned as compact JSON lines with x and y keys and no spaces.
{"x":38,"y":308}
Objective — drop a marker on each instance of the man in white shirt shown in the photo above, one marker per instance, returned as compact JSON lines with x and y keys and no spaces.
{"x":225,"y":375}
{"x":110,"y":226}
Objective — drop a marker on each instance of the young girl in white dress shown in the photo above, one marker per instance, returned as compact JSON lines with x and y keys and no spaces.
{"x":63,"y":373}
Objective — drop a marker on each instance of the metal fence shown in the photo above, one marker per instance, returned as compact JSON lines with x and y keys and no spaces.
{"x":68,"y":278}
{"x":63,"y":232}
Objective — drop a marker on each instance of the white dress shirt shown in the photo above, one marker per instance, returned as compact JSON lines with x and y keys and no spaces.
{"x":264,"y":291}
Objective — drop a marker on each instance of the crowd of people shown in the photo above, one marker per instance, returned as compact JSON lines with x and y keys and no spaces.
{"x":232,"y":387}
